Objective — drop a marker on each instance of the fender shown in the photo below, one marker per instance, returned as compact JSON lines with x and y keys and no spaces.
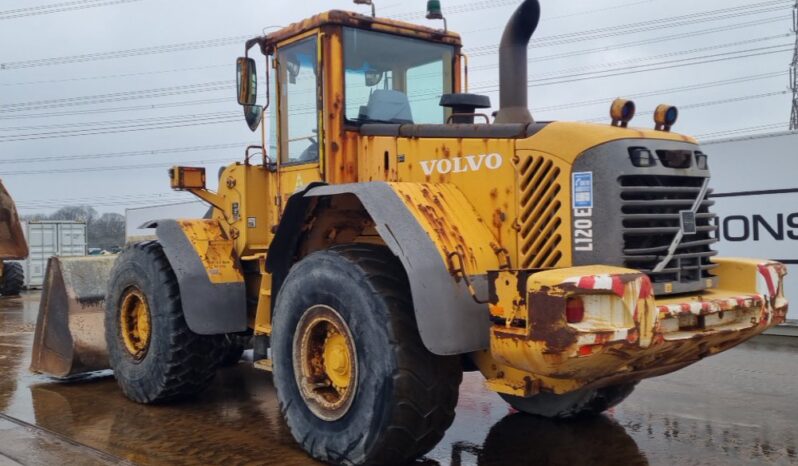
{"x":409,"y":220}
{"x":208,"y":271}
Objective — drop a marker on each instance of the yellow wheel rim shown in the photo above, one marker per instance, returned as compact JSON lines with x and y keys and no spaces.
{"x":134,"y":323}
{"x":337,"y":360}
{"x":325,"y":362}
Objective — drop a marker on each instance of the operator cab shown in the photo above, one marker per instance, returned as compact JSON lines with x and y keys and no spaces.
{"x":333,"y":74}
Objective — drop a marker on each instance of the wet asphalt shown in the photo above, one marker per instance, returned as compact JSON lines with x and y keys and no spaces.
{"x":739,"y":407}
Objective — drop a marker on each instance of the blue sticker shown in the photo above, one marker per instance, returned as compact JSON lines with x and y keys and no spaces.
{"x":583,"y":190}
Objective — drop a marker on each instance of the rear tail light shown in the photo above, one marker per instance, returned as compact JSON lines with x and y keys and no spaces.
{"x":574,"y":310}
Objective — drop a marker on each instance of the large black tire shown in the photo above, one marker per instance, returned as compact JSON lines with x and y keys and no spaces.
{"x":177,"y":362}
{"x":13,"y":279}
{"x":578,"y":403}
{"x":405,"y":396}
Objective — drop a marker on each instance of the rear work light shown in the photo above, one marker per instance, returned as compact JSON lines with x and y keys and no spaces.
{"x":574,"y":310}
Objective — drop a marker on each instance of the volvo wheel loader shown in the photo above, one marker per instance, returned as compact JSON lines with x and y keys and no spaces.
{"x":12,"y":246}
{"x":388,"y":234}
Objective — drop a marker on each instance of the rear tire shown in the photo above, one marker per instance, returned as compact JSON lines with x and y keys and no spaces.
{"x":403,"y":396}
{"x":170,"y":363}
{"x":13,"y":279}
{"x":574,"y":404}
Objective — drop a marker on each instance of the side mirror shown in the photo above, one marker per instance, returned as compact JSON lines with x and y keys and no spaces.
{"x":253,"y":114}
{"x":247,"y":81}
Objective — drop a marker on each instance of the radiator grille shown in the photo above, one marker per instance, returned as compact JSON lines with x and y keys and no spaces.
{"x":650,"y":206}
{"x":540,"y":218}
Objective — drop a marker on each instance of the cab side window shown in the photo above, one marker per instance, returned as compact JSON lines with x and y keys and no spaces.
{"x":299,"y":102}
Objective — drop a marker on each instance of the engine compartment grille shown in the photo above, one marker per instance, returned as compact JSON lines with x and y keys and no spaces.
{"x":650,"y":216}
{"x":540,"y":220}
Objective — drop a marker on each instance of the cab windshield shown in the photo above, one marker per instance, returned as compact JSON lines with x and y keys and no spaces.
{"x":394,"y":79}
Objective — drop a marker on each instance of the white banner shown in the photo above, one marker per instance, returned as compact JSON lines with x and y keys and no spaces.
{"x":756,"y":198}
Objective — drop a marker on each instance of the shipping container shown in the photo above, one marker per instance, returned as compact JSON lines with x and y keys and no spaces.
{"x":756,"y":200}
{"x":47,"y":239}
{"x":135,"y":218}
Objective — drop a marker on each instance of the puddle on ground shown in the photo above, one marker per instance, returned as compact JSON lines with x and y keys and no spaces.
{"x":736,"y":408}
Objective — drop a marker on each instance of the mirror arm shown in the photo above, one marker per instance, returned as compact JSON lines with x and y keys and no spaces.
{"x":260,"y":40}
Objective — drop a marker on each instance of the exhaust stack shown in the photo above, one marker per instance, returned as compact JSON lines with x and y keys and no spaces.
{"x":514,"y":105}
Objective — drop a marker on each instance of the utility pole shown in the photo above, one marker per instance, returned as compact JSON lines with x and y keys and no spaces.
{"x":794,"y":71}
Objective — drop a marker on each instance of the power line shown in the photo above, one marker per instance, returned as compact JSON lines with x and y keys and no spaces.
{"x":114,"y":76}
{"x":660,"y":92}
{"x":457,"y":9}
{"x":581,"y":51}
{"x":89,"y":57}
{"x":579,"y":104}
{"x":86,"y":200}
{"x":710,"y":103}
{"x":714,"y":15}
{"x":486,"y":86}
{"x":137,"y":121}
{"x":650,"y":57}
{"x":741,"y":131}
{"x":114,"y":167}
{"x":218,"y":85}
{"x":128,"y":108}
{"x":637,"y":43}
{"x":644,"y":26}
{"x":116,"y":155}
{"x":119,"y":96}
{"x":59,"y":8}
{"x":153,"y":202}
{"x":178,"y":123}
{"x":559,"y":77}
{"x":491,"y":86}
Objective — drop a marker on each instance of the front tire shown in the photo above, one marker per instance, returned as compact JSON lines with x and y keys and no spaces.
{"x":578,"y":403}
{"x":369,"y":391}
{"x":13,"y":279}
{"x":154,"y":355}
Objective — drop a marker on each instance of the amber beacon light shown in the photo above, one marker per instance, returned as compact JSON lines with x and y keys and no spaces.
{"x":665,"y":117}
{"x":622,"y":111}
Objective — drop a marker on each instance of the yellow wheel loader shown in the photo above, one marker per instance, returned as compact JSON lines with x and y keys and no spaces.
{"x":388,"y":234}
{"x":12,"y":246}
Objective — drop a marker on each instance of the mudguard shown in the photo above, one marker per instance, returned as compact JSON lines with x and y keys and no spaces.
{"x":423,"y":224}
{"x":208,"y":273}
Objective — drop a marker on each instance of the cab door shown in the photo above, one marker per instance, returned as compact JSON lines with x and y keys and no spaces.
{"x":299,"y":88}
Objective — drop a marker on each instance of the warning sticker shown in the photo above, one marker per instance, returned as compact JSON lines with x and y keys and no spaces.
{"x":583,"y":190}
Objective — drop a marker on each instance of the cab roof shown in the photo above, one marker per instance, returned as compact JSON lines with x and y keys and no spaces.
{"x":356,"y":20}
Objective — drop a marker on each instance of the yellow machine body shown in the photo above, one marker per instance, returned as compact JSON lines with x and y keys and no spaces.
{"x":494,"y":201}
{"x":496,"y":207}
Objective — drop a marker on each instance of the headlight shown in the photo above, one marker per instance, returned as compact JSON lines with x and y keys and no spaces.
{"x":701,"y":161}
{"x":642,"y":157}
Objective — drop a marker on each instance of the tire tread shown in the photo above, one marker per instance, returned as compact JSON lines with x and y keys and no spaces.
{"x":13,"y":279}
{"x":191,"y":362}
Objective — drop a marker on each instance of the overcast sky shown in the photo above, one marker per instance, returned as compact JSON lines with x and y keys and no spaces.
{"x":196,"y":88}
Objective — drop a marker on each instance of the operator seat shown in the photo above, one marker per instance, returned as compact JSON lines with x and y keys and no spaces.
{"x":387,"y":106}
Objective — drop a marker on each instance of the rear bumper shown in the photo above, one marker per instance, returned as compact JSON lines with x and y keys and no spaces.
{"x":626,"y":333}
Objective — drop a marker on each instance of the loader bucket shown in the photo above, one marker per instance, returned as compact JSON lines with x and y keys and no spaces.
{"x":70,"y":329}
{"x":12,"y":242}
